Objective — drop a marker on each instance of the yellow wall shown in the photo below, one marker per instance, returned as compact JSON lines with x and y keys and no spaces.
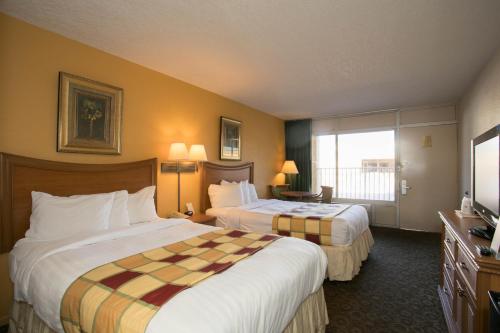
{"x":158,"y":110}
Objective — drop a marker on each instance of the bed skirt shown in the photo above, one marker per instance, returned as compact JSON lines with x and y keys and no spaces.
{"x":311,"y":316}
{"x":344,"y":262}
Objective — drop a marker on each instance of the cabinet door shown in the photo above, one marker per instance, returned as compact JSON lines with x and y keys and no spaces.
{"x":464,"y":308}
{"x":471,"y":312}
{"x":459,"y":305}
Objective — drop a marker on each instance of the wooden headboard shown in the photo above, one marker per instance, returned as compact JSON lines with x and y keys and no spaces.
{"x":21,"y":175}
{"x":212,"y":173}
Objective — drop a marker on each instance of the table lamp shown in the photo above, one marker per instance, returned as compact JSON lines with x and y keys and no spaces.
{"x":289,"y":168}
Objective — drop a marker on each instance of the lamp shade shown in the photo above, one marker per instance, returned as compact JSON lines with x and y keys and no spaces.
{"x":289,"y":167}
{"x":178,"y":151}
{"x":197,"y":153}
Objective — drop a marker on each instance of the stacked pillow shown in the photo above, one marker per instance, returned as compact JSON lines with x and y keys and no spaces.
{"x":232,"y":194}
{"x":56,"y":217}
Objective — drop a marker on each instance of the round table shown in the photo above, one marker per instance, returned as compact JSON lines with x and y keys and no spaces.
{"x":298,"y":195}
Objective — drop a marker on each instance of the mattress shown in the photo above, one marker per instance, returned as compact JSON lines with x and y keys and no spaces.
{"x":258,"y":294}
{"x":350,"y":222}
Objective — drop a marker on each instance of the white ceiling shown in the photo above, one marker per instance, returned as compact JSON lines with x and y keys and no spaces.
{"x":291,"y":58}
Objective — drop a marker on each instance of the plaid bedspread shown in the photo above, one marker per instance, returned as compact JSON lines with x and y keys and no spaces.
{"x":299,"y":224}
{"x":124,"y":295}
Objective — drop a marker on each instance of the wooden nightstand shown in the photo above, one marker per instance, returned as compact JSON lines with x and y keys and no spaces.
{"x":203,"y":219}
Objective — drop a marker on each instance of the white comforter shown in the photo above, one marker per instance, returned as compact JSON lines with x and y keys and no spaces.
{"x":348,"y":225}
{"x":258,"y":294}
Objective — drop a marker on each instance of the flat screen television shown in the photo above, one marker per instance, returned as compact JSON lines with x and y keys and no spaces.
{"x":485,"y":176}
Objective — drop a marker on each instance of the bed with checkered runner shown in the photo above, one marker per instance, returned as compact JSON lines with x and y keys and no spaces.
{"x":314,"y":228}
{"x":124,"y":295}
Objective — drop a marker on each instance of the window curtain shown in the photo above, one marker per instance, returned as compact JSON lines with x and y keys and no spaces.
{"x":298,"y":134}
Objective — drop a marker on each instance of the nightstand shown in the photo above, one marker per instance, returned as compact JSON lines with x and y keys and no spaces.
{"x":203,"y":219}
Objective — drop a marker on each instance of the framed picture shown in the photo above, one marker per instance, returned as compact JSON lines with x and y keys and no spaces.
{"x":230,"y":139}
{"x":90,"y":116}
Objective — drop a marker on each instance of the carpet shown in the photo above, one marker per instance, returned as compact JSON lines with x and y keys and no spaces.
{"x":396,"y":290}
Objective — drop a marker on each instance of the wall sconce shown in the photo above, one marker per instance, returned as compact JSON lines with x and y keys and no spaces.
{"x":182,"y":161}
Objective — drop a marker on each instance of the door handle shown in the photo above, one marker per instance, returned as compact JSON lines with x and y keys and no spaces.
{"x":404,"y":187}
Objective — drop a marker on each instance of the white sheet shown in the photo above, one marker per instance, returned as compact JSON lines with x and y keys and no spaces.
{"x":258,"y":217}
{"x":258,"y":294}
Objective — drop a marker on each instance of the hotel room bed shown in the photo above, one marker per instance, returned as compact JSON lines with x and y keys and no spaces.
{"x":351,"y":239}
{"x":259,"y":294}
{"x":347,"y":226}
{"x":276,"y":289}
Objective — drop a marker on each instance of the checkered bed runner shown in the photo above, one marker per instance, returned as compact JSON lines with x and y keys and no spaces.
{"x":124,"y":295}
{"x":316,"y":229}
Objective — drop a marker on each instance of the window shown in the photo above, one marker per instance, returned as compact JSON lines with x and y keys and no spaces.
{"x":356,"y":165}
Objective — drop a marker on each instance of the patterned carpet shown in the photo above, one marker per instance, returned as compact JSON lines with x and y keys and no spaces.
{"x":396,"y":290}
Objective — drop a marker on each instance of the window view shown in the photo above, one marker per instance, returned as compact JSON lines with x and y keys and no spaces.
{"x":362,"y":168}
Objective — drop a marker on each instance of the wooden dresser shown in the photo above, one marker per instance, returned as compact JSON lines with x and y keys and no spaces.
{"x":466,"y":276}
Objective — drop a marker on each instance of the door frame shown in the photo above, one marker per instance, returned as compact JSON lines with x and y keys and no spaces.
{"x":398,"y":161}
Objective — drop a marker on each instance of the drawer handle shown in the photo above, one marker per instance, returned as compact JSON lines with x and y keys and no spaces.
{"x":464,"y":266}
{"x":445,"y":290}
{"x":447,"y":266}
{"x":448,"y":241}
{"x":460,"y":292}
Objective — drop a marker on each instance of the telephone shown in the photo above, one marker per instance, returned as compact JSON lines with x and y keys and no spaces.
{"x":177,"y":215}
{"x":466,"y":206}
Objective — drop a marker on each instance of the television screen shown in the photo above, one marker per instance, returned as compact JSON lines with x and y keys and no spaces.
{"x":486,"y":178}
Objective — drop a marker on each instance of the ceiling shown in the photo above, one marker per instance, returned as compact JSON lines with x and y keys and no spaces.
{"x":291,"y":58}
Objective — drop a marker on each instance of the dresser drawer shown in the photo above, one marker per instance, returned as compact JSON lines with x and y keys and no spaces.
{"x":450,"y":243}
{"x":467,"y":270}
{"x":448,"y":266}
{"x":448,"y":293}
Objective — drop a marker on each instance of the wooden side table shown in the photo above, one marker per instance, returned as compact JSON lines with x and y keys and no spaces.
{"x":203,"y":219}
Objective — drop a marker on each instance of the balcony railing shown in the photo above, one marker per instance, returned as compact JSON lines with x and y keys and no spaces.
{"x":371,"y":183}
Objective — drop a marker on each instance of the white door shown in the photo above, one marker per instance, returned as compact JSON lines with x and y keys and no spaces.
{"x":428,"y":159}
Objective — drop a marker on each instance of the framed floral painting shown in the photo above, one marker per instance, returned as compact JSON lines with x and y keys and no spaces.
{"x":90,"y":116}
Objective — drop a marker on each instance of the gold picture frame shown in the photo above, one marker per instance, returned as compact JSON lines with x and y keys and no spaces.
{"x":230,"y":139}
{"x":89,"y":116}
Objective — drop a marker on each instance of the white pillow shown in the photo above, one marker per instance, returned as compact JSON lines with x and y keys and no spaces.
{"x":119,"y":211}
{"x":244,"y":189}
{"x":141,"y":205}
{"x":253,"y":193}
{"x":229,"y":195}
{"x":59,"y":217}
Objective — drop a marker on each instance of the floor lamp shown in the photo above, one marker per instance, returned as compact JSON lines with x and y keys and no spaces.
{"x":182,"y":161}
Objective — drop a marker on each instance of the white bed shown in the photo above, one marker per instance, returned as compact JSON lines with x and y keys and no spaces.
{"x":351,"y":236}
{"x":347,"y":226}
{"x":259,"y":294}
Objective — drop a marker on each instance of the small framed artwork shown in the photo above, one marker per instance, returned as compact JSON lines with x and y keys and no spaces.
{"x":90,"y":116}
{"x":230,"y":139}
